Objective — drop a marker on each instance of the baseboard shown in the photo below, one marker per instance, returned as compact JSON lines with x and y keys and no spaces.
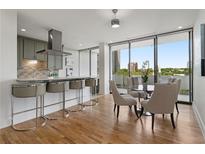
{"x":199,"y":120}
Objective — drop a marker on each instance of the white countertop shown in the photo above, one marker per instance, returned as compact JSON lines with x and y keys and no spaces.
{"x":50,"y":79}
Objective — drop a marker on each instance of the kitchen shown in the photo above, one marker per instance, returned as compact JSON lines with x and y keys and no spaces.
{"x":45,"y":61}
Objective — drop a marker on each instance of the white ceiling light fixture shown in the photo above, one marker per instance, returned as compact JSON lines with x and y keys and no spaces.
{"x":115,"y":23}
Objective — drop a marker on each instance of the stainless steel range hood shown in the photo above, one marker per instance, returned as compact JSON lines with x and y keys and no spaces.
{"x":54,"y":44}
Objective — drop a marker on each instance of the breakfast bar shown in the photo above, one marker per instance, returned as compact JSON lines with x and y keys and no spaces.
{"x":33,"y":87}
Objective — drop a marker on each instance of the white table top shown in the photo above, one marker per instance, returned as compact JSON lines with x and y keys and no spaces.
{"x":149,"y":88}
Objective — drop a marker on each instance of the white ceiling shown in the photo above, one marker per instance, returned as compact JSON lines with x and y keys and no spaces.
{"x":87,"y":28}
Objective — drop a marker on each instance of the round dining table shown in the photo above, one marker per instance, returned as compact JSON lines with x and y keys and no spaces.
{"x":149,"y":90}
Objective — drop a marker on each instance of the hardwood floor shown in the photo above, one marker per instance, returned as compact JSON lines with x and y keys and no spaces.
{"x":99,"y":124}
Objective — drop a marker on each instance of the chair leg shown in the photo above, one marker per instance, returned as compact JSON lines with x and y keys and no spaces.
{"x":118,"y":110}
{"x":135,"y":107}
{"x":163,"y":116}
{"x":142,"y":110}
{"x":172,"y":119}
{"x":114,"y":107}
{"x":130,"y":106}
{"x":177,"y":107}
{"x":152,"y":121}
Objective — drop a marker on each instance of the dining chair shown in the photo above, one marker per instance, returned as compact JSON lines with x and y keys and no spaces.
{"x":122,"y":100}
{"x":178,"y":82}
{"x":162,"y":101}
{"x":132,"y":85}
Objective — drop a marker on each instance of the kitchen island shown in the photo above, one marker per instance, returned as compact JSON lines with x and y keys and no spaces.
{"x":53,"y":101}
{"x":53,"y":79}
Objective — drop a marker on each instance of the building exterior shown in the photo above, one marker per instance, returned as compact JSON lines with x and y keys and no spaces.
{"x":133,"y":66}
{"x":115,"y":61}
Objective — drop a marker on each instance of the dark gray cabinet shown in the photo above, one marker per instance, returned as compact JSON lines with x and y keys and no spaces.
{"x":40,"y":45}
{"x":28,"y":49}
{"x":19,"y":51}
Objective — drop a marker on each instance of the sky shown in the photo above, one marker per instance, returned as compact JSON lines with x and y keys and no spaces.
{"x":172,"y":54}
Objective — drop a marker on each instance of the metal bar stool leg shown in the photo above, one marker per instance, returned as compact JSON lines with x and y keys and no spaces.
{"x":92,"y":101}
{"x":36,"y":111}
{"x":95,"y":93}
{"x":79,"y":104}
{"x":42,"y":111}
{"x":78,"y":86}
{"x":12,"y":119}
{"x":64,"y":109}
{"x":43,"y":114}
{"x":82,"y":103}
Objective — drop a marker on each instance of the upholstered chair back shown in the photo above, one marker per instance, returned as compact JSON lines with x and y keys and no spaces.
{"x":116,"y":95}
{"x":163,"y":98}
{"x":178,"y":82}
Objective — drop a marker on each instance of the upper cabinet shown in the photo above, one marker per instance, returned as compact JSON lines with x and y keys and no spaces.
{"x":27,"y":48}
{"x":40,"y":45}
{"x":19,"y":51}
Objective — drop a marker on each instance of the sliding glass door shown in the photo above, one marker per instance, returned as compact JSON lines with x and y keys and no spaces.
{"x":173,"y":61}
{"x":120,"y":61}
{"x":169,"y":55}
{"x":141,"y":52}
{"x":94,"y":62}
{"x":85,"y":63}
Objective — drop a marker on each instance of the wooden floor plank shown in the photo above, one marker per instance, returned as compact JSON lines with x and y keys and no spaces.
{"x":99,"y":124}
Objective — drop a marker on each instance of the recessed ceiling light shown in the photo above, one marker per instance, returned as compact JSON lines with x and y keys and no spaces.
{"x":23,"y":29}
{"x":80,"y":44}
{"x":180,"y":27}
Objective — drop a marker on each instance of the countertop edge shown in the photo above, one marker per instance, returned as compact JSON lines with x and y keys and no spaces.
{"x":55,"y":79}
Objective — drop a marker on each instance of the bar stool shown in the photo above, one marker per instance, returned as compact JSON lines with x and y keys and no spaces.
{"x":92,"y":84}
{"x":27,"y":90}
{"x":78,"y":85}
{"x":59,"y":87}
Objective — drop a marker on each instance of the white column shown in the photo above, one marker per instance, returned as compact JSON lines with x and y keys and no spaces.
{"x":104,"y":68}
{"x":8,"y":62}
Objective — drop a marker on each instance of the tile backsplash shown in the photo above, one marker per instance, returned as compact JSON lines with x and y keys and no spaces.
{"x":33,"y":69}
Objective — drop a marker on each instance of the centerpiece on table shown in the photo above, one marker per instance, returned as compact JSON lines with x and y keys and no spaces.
{"x":145,"y":74}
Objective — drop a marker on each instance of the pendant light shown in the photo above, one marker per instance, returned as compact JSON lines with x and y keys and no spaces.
{"x":115,"y":23}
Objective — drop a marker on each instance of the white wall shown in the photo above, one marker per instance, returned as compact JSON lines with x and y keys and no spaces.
{"x":199,"y":81}
{"x":8,"y":61}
